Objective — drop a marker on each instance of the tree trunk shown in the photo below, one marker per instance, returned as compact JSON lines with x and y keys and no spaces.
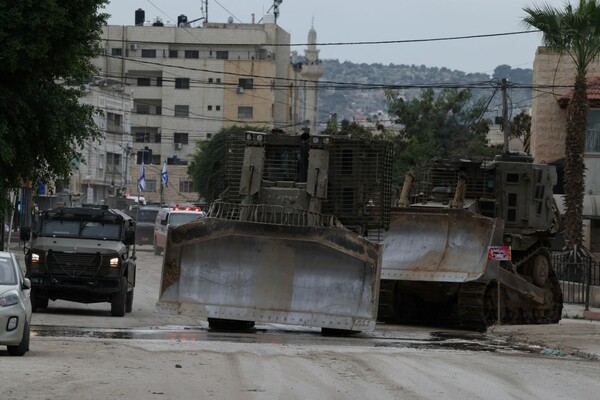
{"x":574,"y":165}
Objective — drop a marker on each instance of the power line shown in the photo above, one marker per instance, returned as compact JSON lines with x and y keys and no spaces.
{"x":355,"y":43}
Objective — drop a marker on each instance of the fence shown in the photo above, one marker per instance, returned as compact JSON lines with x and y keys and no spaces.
{"x":576,"y":276}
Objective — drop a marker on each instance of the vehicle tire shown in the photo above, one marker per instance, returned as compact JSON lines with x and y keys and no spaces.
{"x":118,"y":304}
{"x":37,"y":301}
{"x":22,"y":347}
{"x":129,"y":304}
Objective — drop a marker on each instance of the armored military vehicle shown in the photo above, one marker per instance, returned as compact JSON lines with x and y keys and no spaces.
{"x":287,"y":240}
{"x":82,"y":254}
{"x":469,"y":244}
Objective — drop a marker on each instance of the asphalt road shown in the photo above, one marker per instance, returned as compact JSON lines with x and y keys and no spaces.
{"x":79,"y":351}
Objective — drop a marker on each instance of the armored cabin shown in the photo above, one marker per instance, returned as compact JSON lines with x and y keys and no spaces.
{"x":309,"y":180}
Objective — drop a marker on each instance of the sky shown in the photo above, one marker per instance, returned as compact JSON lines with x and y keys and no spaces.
{"x":380,"y":20}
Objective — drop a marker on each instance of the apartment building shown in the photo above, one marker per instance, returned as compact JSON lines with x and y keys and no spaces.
{"x":188,"y":83}
{"x":553,"y":79}
{"x":102,"y":171}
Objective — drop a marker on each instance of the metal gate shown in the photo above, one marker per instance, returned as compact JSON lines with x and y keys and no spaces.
{"x":576,"y":275}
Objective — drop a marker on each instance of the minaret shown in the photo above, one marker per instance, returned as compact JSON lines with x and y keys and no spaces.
{"x":312,"y":70}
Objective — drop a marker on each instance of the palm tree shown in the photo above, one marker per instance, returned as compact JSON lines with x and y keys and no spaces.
{"x":574,"y":32}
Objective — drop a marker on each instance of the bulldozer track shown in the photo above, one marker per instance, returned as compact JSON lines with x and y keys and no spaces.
{"x":477,"y":305}
{"x":478,"y":301}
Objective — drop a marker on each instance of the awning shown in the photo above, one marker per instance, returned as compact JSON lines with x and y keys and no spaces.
{"x":591,"y":205}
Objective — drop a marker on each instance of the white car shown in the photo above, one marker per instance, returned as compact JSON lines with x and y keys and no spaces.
{"x":15,"y":306}
{"x":172,"y":216}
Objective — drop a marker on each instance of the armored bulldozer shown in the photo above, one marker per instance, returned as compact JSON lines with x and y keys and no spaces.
{"x":286,"y":242}
{"x":469,"y":244}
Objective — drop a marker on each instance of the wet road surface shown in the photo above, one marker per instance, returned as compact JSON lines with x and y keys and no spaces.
{"x":389,"y":337}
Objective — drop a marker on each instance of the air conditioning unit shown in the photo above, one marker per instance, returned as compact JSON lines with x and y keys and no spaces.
{"x":178,"y":146}
{"x":133,"y":46}
{"x":239,"y":90}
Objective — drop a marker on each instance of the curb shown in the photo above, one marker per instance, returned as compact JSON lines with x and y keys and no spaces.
{"x":591,"y":315}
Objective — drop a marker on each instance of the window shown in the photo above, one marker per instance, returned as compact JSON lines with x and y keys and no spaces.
{"x":151,"y":183}
{"x":182,"y":111}
{"x":173,"y":54}
{"x":148,"y":53}
{"x":209,"y":108}
{"x":142,"y":109}
{"x":218,"y":80}
{"x":142,"y":137}
{"x":192,"y":54}
{"x":222,"y":55}
{"x":143,"y":81}
{"x":208,"y":135}
{"x":218,"y":108}
{"x":114,"y":122}
{"x":113,"y":163}
{"x":159,"y":81}
{"x":156,"y":159}
{"x":246,"y":83}
{"x":179,"y":137}
{"x":592,"y":139}
{"x":245,"y":112}
{"x":210,"y":80}
{"x":147,"y":106}
{"x":186,"y":186}
{"x":117,"y":51}
{"x":182,"y":83}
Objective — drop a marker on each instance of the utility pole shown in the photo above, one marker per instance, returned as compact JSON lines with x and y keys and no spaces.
{"x":162,"y":189}
{"x":127,"y":150}
{"x":505,"y":125}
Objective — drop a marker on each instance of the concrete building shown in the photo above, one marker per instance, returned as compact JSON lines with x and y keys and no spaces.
{"x":553,"y":79}
{"x":103,"y":170}
{"x":189,"y":83}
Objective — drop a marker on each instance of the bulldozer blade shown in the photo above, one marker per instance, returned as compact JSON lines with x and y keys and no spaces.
{"x":235,"y":270}
{"x":438,"y":245}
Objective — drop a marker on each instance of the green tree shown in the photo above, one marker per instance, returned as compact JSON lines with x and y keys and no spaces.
{"x":448,"y":125}
{"x":576,"y":33}
{"x":47,"y":46}
{"x":333,"y":127}
{"x":520,"y":127}
{"x":206,"y":167}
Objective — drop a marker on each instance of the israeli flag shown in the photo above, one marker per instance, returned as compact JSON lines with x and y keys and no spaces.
{"x":142,"y":180}
{"x":164,"y":175}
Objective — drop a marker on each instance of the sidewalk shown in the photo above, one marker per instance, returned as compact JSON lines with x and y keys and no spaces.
{"x":573,"y":335}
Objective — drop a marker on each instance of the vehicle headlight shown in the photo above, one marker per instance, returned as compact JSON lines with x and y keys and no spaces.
{"x":9,"y":299}
{"x":114,"y":262}
{"x":35,"y":258}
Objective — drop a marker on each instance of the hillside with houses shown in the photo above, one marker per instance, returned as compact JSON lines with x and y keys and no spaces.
{"x":355,"y":91}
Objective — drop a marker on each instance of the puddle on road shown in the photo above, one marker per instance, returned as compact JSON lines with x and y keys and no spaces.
{"x":450,"y":341}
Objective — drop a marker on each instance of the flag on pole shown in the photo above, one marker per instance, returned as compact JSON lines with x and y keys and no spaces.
{"x":164,"y":175}
{"x":142,"y":180}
